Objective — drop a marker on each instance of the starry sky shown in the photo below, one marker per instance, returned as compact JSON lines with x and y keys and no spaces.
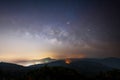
{"x":35,"y":29}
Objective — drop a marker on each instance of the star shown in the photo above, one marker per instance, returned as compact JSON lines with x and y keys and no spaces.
{"x":88,"y":30}
{"x":67,"y":22}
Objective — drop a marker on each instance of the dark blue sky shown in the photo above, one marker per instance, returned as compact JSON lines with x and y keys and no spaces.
{"x":34,"y":29}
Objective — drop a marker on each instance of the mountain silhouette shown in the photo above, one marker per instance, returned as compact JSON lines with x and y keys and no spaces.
{"x":10,"y":66}
{"x":85,"y":65}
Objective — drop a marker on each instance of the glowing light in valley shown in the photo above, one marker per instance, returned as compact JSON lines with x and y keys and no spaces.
{"x":68,"y":61}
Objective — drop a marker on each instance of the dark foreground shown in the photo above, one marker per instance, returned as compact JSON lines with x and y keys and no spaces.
{"x":78,"y":69}
{"x":56,"y":73}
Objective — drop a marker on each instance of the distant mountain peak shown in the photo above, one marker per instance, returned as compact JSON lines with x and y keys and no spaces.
{"x":49,"y":58}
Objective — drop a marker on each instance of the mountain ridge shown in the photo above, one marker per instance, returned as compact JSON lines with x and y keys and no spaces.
{"x":87,"y":65}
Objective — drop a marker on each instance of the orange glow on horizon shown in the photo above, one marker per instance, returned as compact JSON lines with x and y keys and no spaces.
{"x":17,"y":57}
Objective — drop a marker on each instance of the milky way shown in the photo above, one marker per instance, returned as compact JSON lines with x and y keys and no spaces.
{"x":59,"y":29}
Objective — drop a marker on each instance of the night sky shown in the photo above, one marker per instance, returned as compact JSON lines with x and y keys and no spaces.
{"x":35,"y":29}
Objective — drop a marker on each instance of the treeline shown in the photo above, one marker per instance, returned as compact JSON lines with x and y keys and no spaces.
{"x":57,"y":73}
